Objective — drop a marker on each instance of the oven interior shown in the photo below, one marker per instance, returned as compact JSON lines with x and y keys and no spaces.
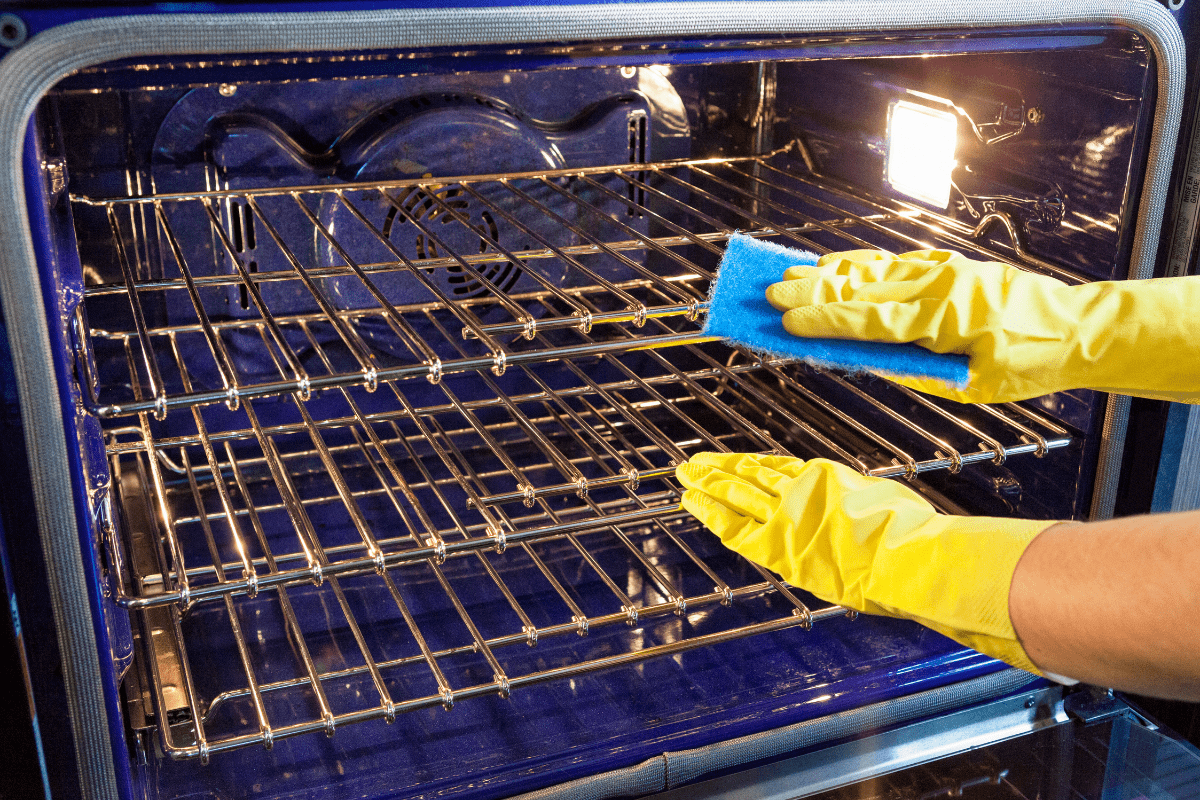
{"x":386,"y":362}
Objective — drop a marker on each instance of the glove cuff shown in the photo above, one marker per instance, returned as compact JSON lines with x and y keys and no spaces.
{"x":1123,"y":324}
{"x":955,"y":578}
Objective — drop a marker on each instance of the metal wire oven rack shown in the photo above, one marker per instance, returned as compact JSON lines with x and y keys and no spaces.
{"x":359,"y":267}
{"x":274,"y":454}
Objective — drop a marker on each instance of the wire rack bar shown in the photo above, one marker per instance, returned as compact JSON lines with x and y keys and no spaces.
{"x":266,"y":730}
{"x":385,"y":267}
{"x":956,"y":234}
{"x":402,"y":183}
{"x":118,"y":447}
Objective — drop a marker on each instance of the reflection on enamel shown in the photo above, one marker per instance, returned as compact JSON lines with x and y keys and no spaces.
{"x":1108,"y":225}
{"x":1092,"y":161}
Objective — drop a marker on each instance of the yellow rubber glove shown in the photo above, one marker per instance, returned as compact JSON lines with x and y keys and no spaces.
{"x":870,"y":544}
{"x":1027,"y":335}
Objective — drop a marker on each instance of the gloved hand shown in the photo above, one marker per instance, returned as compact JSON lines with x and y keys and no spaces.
{"x":1026,"y":334}
{"x":870,"y":544}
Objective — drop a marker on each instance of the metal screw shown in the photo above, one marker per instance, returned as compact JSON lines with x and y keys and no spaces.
{"x":1030,"y":702}
{"x":227,"y":90}
{"x":628,"y":72}
{"x":12,"y":30}
{"x":1034,"y":116}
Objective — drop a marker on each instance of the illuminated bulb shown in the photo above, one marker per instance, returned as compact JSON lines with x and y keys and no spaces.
{"x":921,"y":142}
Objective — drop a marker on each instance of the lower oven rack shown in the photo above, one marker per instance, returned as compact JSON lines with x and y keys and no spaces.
{"x":575,"y":454}
{"x":354,"y":668}
{"x":311,"y":538}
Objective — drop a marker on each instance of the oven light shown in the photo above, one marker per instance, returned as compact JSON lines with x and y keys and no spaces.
{"x":921,"y":142}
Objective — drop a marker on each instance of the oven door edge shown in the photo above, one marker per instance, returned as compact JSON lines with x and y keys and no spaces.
{"x":28,"y":72}
{"x":1026,"y":704}
{"x":879,"y":754}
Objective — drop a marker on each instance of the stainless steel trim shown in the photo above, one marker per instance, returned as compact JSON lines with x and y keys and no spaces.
{"x":1108,"y":462}
{"x":1186,"y":493}
{"x":989,"y":722}
{"x":860,"y":760}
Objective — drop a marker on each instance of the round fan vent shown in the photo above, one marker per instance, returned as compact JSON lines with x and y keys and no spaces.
{"x":429,"y":229}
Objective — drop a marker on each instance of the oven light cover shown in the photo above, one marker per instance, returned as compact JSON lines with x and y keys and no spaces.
{"x":921,"y":147}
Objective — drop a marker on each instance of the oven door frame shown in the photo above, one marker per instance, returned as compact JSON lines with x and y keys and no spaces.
{"x":66,"y":521}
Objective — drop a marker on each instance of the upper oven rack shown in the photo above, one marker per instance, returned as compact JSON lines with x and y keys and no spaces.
{"x":678,"y":212}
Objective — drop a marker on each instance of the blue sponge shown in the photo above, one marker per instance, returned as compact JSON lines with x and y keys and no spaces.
{"x":738,"y":311}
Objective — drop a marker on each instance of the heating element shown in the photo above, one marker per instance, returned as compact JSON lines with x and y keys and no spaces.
{"x":370,"y":437}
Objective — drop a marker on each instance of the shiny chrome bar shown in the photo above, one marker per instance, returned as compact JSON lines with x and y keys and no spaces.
{"x":435,"y":263}
{"x":849,"y":421}
{"x":410,"y":338}
{"x":300,"y":376}
{"x":516,"y":309}
{"x":249,"y":573}
{"x":632,"y":305}
{"x":354,"y":343}
{"x":307,"y":385}
{"x":463,"y":313}
{"x":758,"y":221}
{"x":588,"y":420}
{"x":368,"y":564}
{"x":170,"y":442}
{"x":549,"y":632}
{"x":578,"y":618}
{"x":964,"y":237}
{"x":761,"y":199}
{"x":211,"y":336}
{"x":403,"y":183}
{"x":293,"y":625}
{"x":157,"y":390}
{"x":686,"y":296}
{"x":641,"y":208}
{"x":449,"y":508}
{"x":651,"y":245}
{"x":548,"y":285}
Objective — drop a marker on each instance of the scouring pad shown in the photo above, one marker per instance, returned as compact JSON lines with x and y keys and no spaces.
{"x":738,"y":311}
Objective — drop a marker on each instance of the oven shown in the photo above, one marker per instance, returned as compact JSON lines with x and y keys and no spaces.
{"x":354,"y":349}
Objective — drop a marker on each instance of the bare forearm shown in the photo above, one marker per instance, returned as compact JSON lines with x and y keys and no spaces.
{"x":1115,"y":603}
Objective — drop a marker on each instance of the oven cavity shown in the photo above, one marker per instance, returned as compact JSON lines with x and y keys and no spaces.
{"x":395,"y":374}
